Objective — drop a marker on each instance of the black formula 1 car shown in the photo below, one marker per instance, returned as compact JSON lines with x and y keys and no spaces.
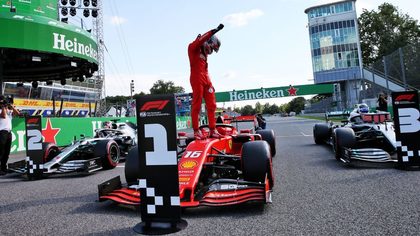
{"x":83,"y":156}
{"x":87,"y":154}
{"x":212,"y":172}
{"x":364,"y":138}
{"x":123,"y":133}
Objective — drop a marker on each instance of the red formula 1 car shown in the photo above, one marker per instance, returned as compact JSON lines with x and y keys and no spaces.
{"x":212,"y":172}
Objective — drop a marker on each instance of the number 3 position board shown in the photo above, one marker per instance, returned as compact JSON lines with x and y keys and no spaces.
{"x":159,"y":187}
{"x":407,"y":127}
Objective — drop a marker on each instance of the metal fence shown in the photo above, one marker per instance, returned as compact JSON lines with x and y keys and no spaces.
{"x":401,"y":67}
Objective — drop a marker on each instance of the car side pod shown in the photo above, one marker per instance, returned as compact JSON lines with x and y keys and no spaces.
{"x":374,"y":156}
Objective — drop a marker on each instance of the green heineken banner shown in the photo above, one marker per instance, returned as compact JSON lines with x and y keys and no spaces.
{"x":39,"y":33}
{"x":62,"y":131}
{"x":276,"y":92}
{"x":46,"y":8}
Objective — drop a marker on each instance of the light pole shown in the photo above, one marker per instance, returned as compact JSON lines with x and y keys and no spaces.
{"x":131,"y":89}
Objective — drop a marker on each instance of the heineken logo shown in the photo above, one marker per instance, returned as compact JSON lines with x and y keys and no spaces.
{"x":73,"y":46}
{"x":255,"y":94}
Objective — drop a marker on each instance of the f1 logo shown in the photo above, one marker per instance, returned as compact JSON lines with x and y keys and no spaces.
{"x":159,"y":105}
{"x":405,"y":97}
{"x":409,"y":120}
{"x":32,"y":121}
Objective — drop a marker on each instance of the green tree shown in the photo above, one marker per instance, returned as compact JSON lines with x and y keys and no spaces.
{"x":273,"y":109}
{"x":384,"y":31}
{"x":296,"y":105}
{"x":247,"y":110}
{"x":284,"y":108}
{"x":258,"y":107}
{"x":266,"y":108}
{"x":162,"y":87}
{"x":137,"y":95}
{"x":116,"y":100}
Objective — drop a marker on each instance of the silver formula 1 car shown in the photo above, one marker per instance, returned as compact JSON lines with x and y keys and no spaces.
{"x":367,"y":138}
{"x":87,"y":154}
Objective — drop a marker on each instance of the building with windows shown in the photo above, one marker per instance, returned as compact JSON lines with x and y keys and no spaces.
{"x":335,"y":49}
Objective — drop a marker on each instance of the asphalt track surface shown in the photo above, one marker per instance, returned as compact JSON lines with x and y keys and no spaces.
{"x":313,"y":195}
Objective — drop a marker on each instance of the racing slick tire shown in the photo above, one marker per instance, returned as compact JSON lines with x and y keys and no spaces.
{"x":50,"y":150}
{"x":344,"y":138}
{"x":132,"y":166}
{"x":256,"y":161}
{"x":321,"y":133}
{"x":109,"y":152}
{"x":268,"y":135}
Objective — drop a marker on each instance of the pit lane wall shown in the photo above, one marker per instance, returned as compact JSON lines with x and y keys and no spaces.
{"x":62,"y":131}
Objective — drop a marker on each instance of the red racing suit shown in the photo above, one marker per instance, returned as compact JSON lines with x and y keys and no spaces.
{"x":200,"y":82}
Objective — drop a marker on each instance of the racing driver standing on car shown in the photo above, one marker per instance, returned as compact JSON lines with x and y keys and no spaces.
{"x":200,"y":82}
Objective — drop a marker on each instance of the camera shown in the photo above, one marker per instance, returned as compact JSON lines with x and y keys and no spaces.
{"x":6,"y":100}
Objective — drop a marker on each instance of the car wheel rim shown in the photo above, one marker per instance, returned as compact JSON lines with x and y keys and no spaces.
{"x":113,"y":152}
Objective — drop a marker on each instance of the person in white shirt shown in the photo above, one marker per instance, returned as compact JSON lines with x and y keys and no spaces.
{"x":6,"y":113}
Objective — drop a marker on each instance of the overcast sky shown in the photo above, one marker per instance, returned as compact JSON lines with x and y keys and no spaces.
{"x":265,"y":43}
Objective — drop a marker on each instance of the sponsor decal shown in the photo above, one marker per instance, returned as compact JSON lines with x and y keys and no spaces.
{"x":25,"y":103}
{"x":292,"y":91}
{"x":183,"y":122}
{"x":49,"y":133}
{"x":67,"y":45}
{"x":189,"y":164}
{"x":184,"y":179}
{"x":216,"y":187}
{"x":258,"y":94}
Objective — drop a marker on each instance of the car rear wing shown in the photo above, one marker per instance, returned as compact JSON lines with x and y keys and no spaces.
{"x":337,"y":114}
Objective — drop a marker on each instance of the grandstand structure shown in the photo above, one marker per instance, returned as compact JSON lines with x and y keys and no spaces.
{"x":43,"y":86}
{"x":337,"y":59}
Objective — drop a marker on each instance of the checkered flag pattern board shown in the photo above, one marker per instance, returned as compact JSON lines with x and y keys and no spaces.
{"x":150,"y":192}
{"x":32,"y":167}
{"x":408,"y":153}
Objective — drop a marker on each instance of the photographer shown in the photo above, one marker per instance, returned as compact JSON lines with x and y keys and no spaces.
{"x":261,"y":121}
{"x":6,"y":112}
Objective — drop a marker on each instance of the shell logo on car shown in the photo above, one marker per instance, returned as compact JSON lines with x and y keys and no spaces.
{"x":188,"y":164}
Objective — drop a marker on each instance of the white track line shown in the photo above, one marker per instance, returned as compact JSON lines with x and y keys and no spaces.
{"x":289,"y":136}
{"x":306,"y":135}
